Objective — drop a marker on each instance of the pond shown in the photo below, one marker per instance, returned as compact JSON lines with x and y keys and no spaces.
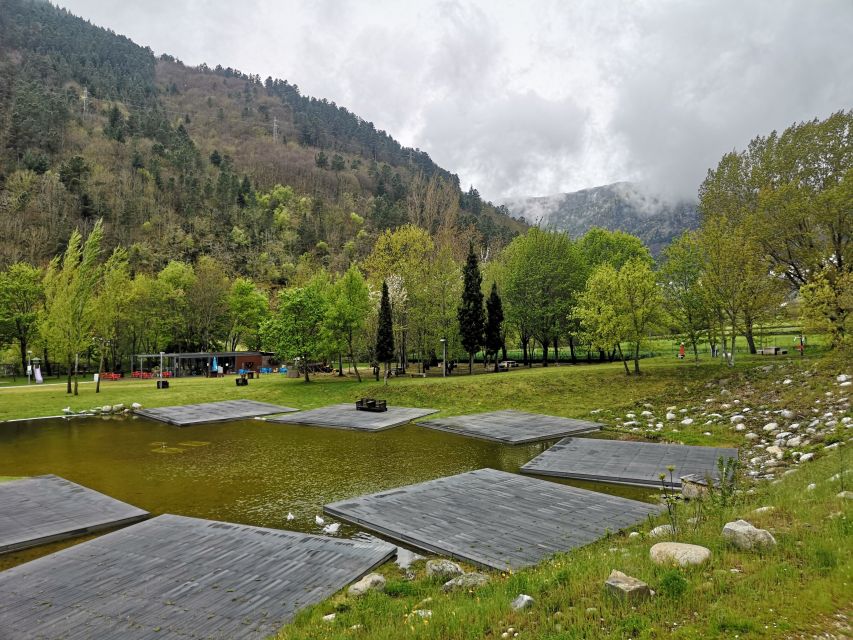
{"x":251,"y":471}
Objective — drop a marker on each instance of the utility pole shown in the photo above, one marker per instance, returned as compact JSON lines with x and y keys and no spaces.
{"x":275,"y":128}
{"x":85,"y":99}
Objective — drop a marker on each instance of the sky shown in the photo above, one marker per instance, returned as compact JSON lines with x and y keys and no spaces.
{"x":529,"y":98}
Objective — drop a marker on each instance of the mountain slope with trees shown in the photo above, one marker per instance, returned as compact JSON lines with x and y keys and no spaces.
{"x":183,"y":162}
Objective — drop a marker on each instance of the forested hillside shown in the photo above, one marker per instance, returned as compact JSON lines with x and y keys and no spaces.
{"x":183,"y":162}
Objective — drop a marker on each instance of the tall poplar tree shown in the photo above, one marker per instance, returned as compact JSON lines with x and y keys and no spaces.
{"x":471,"y":315}
{"x":494,"y":324}
{"x":385,"y":332}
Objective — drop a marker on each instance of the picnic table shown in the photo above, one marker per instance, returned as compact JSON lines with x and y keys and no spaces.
{"x":370,"y":404}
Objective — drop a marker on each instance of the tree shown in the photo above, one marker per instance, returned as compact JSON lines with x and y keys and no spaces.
{"x":248,"y":307}
{"x":348,"y":310}
{"x":385,"y":331}
{"x":21,"y":299}
{"x":494,"y":324}
{"x":794,"y":191}
{"x":112,"y":307}
{"x":296,"y":330}
{"x":681,"y":281}
{"x":69,"y":286}
{"x":544,"y":271}
{"x":472,"y":319}
{"x":207,"y":304}
{"x":621,"y":305}
{"x":613,"y":247}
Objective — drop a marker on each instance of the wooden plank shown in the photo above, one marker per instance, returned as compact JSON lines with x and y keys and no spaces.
{"x":346,"y":416}
{"x":492,"y":518}
{"x":48,"y":508}
{"x":626,"y":462}
{"x":511,"y":427}
{"x":190,"y":414}
{"x":176,"y":577}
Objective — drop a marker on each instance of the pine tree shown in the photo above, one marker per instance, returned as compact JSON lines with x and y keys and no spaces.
{"x":494,"y":320}
{"x":470,"y":314}
{"x":385,"y":332}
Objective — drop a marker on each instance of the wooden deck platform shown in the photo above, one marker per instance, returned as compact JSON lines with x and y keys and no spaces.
{"x":346,"y":416}
{"x":173,"y":577}
{"x":190,"y":414}
{"x":511,"y":427}
{"x":625,"y":462}
{"x":44,"y":509}
{"x":491,"y":518}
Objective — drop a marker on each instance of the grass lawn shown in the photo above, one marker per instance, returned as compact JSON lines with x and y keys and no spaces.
{"x":571,"y":391}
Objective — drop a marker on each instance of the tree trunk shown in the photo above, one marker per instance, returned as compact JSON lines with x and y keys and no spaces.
{"x":68,"y":385}
{"x":340,"y":364}
{"x":556,"y":352}
{"x":695,"y":352}
{"x":470,"y":363}
{"x":732,"y":352}
{"x":305,"y":364}
{"x":76,"y":371}
{"x":496,"y":362}
{"x":603,"y":356}
{"x":545,"y":344}
{"x":637,"y":358}
{"x":48,"y":368}
{"x":22,"y":342}
{"x":524,"y":351}
{"x":100,"y":368}
{"x":352,"y":360}
{"x":622,"y":358}
{"x":572,"y":350}
{"x":387,"y":374}
{"x":750,"y":338}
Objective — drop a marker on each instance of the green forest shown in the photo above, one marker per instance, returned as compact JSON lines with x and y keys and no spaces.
{"x":148,"y":206}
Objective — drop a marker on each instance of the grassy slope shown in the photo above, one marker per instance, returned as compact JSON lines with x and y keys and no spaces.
{"x":565,"y":390}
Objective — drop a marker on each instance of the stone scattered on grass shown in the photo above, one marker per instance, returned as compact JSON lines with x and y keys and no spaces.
{"x":806,"y":457}
{"x":811,"y":487}
{"x":466,"y":581}
{"x":761,"y":510}
{"x":443,"y":569}
{"x":522,"y":602}
{"x":625,"y":587}
{"x":661,"y":531}
{"x":329,"y":618}
{"x":745,"y":536}
{"x":370,"y":582}
{"x":845,"y":495}
{"x":679,"y":553}
{"x":422,"y":613}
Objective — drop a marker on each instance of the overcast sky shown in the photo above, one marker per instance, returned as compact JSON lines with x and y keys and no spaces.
{"x":537,"y":97}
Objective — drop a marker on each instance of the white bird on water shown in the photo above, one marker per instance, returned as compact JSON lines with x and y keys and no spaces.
{"x":320,"y":522}
{"x":290,"y":516}
{"x":332,"y":528}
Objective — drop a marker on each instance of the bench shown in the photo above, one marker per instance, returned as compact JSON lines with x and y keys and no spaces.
{"x":369,"y":404}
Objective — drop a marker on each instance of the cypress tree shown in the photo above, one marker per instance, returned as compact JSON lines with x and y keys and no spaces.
{"x":470,"y":314}
{"x":494,"y":320}
{"x":385,"y":332}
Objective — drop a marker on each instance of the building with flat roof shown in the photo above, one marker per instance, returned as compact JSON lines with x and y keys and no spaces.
{"x":201,"y":363}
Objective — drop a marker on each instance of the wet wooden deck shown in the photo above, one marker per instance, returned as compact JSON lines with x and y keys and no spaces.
{"x":190,"y":414}
{"x":626,"y":462}
{"x":491,"y":518}
{"x":346,"y":416}
{"x":48,"y":508}
{"x":511,"y":427}
{"x":174,"y":577}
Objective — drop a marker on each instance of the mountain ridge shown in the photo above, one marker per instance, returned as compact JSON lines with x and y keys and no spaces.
{"x":619,"y":206}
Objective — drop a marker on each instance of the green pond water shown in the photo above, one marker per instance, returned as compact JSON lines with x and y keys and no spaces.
{"x":249,"y":471}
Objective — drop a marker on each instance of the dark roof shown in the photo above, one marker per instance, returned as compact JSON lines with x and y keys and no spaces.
{"x":207,"y":354}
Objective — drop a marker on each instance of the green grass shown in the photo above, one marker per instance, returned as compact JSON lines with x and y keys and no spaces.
{"x":571,"y":391}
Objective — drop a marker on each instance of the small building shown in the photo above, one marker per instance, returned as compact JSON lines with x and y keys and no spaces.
{"x":201,"y":363}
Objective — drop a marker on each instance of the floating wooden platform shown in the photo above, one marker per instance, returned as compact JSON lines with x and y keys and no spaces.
{"x":492,"y":518}
{"x":174,"y":577}
{"x":625,"y":462}
{"x":346,"y":416}
{"x":189,"y":414}
{"x":512,"y":427}
{"x":44,"y":509}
